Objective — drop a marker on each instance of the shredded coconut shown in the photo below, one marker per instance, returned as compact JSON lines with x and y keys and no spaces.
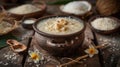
{"x":105,"y":24}
{"x":24,"y":9}
{"x":76,"y":7}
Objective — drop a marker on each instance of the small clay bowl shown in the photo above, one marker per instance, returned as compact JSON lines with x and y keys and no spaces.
{"x":79,"y":15}
{"x":105,"y":32}
{"x":36,"y":14}
{"x":27,"y":25}
{"x":16,"y":46}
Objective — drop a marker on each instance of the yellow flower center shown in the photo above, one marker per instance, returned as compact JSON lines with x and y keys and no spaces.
{"x":92,"y":50}
{"x":34,"y":56}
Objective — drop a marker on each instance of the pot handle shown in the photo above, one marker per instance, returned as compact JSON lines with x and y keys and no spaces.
{"x":52,"y":43}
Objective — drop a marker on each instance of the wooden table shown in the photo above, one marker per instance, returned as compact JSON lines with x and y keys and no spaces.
{"x":10,"y":59}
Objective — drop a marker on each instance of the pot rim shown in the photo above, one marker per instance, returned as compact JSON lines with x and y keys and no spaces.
{"x":53,"y":35}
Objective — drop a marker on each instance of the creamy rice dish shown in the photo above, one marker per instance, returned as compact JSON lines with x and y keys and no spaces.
{"x":60,"y":25}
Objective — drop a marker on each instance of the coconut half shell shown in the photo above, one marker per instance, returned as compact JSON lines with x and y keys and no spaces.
{"x":108,"y":7}
{"x":78,"y":8}
{"x":16,"y":46}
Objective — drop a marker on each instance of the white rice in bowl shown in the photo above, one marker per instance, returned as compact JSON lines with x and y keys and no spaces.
{"x":105,"y":23}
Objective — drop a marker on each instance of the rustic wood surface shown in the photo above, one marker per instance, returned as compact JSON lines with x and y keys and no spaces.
{"x":10,"y":59}
{"x":34,"y":47}
{"x":113,"y":45}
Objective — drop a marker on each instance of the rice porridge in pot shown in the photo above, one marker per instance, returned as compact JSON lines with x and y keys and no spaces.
{"x":60,"y":25}
{"x":60,"y":35}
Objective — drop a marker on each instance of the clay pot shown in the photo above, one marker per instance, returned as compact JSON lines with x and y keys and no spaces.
{"x":59,"y":45}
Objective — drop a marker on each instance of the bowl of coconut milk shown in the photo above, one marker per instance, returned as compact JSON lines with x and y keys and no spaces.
{"x":60,"y":35}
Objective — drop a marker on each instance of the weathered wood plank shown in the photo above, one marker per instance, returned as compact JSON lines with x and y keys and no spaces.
{"x":48,"y":59}
{"x":10,"y":59}
{"x":113,"y":43}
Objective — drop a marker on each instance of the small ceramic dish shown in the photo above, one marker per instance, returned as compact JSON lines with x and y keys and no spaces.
{"x":64,"y":8}
{"x":116,"y":29}
{"x":16,"y":46}
{"x":40,"y":5}
{"x":28,"y":22}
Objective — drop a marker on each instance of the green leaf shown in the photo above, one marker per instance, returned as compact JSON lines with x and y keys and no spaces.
{"x":59,"y":2}
{"x":4,"y":38}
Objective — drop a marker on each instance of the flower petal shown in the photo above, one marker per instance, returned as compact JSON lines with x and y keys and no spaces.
{"x":91,"y":55}
{"x":87,"y":51}
{"x":96,"y":51}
